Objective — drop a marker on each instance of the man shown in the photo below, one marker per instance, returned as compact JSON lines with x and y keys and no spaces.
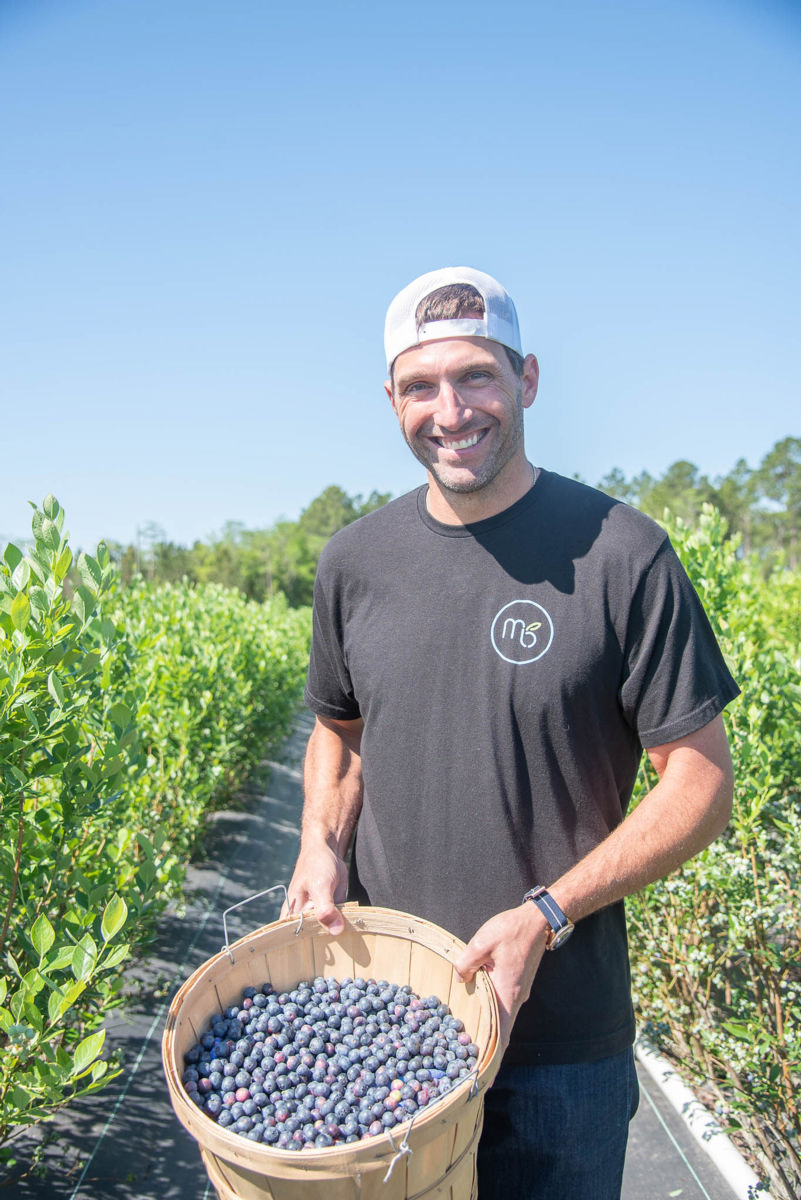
{"x":491,"y":655}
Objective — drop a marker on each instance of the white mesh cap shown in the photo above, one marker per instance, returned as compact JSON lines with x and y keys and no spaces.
{"x":499,"y":322}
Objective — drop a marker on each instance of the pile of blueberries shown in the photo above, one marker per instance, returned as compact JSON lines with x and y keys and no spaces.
{"x":329,"y":1062}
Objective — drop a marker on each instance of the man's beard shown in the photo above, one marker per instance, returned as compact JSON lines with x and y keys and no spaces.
{"x":459,"y":479}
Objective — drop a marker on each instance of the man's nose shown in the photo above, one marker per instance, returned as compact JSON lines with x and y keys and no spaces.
{"x":451,"y":408}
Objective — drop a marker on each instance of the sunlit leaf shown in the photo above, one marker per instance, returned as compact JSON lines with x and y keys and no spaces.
{"x":51,"y":506}
{"x":12,"y":556}
{"x":20,"y":611}
{"x":114,"y":917}
{"x":55,"y":689}
{"x":87,"y":1051}
{"x":42,"y":935}
{"x":90,"y":571}
{"x":50,"y":534}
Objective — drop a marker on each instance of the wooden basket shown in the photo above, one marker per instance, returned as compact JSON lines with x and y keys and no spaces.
{"x":431,"y":1156}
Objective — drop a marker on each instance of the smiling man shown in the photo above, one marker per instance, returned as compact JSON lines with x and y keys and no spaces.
{"x":492,"y":654}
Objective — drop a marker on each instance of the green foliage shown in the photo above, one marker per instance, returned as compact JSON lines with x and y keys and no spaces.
{"x":715,"y":948}
{"x":223,"y":678}
{"x":123,"y":717}
{"x":261,"y":563}
{"x":762,"y":507}
{"x":64,"y":762}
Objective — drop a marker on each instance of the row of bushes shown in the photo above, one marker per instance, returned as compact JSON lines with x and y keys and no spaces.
{"x":716,"y":947}
{"x":123,"y":717}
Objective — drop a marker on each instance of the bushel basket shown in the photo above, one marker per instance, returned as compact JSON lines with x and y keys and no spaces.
{"x":432,"y":1155}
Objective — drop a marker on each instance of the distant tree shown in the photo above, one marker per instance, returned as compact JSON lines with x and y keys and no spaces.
{"x":259,"y":562}
{"x":171,"y":563}
{"x":681,"y":490}
{"x":736,"y":494}
{"x":778,"y":480}
{"x":615,"y":484}
{"x":333,"y":509}
{"x":147,"y":538}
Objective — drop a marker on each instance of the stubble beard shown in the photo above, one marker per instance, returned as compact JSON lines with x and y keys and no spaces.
{"x":459,"y":480}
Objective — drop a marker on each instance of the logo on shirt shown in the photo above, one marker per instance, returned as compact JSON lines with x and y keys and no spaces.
{"x":521,"y":632}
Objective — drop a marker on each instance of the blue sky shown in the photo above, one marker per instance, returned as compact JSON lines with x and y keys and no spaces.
{"x":206,"y":208}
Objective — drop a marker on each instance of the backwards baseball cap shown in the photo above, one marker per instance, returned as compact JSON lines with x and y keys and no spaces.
{"x":499,"y":322}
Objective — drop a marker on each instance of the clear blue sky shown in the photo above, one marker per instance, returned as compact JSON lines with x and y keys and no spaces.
{"x":206,"y":208}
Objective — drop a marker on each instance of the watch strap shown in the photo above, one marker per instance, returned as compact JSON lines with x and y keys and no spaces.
{"x":561,"y":925}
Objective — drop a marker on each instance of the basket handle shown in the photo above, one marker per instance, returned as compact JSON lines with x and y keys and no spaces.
{"x":275,"y":888}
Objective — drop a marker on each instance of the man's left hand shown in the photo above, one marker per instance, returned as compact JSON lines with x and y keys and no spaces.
{"x":509,"y":946}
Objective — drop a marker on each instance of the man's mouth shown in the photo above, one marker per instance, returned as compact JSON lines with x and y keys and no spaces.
{"x":462,"y":443}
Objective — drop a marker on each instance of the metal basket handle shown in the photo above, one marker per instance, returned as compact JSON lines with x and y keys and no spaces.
{"x":257,"y":895}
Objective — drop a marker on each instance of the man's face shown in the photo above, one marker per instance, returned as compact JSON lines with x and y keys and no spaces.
{"x":460,"y":407}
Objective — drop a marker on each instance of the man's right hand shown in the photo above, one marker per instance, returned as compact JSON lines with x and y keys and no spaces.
{"x":320,"y":881}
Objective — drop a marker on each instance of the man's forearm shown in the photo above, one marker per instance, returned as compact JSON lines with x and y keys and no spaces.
{"x":689,"y":807}
{"x":332,"y":778}
{"x":332,"y":784}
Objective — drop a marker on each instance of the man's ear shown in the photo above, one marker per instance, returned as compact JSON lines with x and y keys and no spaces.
{"x":531,"y":379}
{"x":388,"y":390}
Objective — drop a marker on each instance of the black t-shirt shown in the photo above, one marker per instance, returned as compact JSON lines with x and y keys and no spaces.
{"x":509,"y":673}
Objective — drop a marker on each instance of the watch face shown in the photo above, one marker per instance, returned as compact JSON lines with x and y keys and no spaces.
{"x":560,"y":937}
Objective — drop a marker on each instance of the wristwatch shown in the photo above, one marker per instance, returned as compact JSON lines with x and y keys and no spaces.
{"x":561,"y":927}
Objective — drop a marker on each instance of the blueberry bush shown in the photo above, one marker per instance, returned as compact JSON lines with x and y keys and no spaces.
{"x":124,"y":717}
{"x":716,"y":950}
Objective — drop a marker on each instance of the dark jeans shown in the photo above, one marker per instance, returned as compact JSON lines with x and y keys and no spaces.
{"x":557,"y":1132}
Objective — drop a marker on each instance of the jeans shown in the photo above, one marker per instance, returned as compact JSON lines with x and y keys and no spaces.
{"x":557,"y":1131}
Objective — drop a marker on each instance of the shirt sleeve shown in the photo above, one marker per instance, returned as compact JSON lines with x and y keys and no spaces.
{"x":329,"y":691}
{"x":675,"y":676}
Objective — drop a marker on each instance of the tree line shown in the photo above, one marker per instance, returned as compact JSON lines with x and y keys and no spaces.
{"x":259,"y":562}
{"x":762,"y":505}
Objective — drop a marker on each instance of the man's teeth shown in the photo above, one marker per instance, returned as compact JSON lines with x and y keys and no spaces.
{"x":460,"y":443}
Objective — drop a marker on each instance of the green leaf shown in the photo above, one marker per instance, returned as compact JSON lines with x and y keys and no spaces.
{"x":120,"y":714}
{"x":84,"y":603}
{"x":50,"y":534}
{"x":84,"y":958}
{"x":55,"y":689}
{"x":70,"y":996}
{"x":88,"y":1050}
{"x":39,"y":600}
{"x":51,"y":506}
{"x":36,"y":524}
{"x":115,"y":956}
{"x":62,"y":564}
{"x":114,"y":917}
{"x":42,"y":935}
{"x":61,"y":959}
{"x":29,"y":713}
{"x":12,"y":556}
{"x":147,"y":872}
{"x":54,"y":1005}
{"x":738,"y":1030}
{"x":90,"y":571}
{"x":20,"y":611}
{"x":145,"y":845}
